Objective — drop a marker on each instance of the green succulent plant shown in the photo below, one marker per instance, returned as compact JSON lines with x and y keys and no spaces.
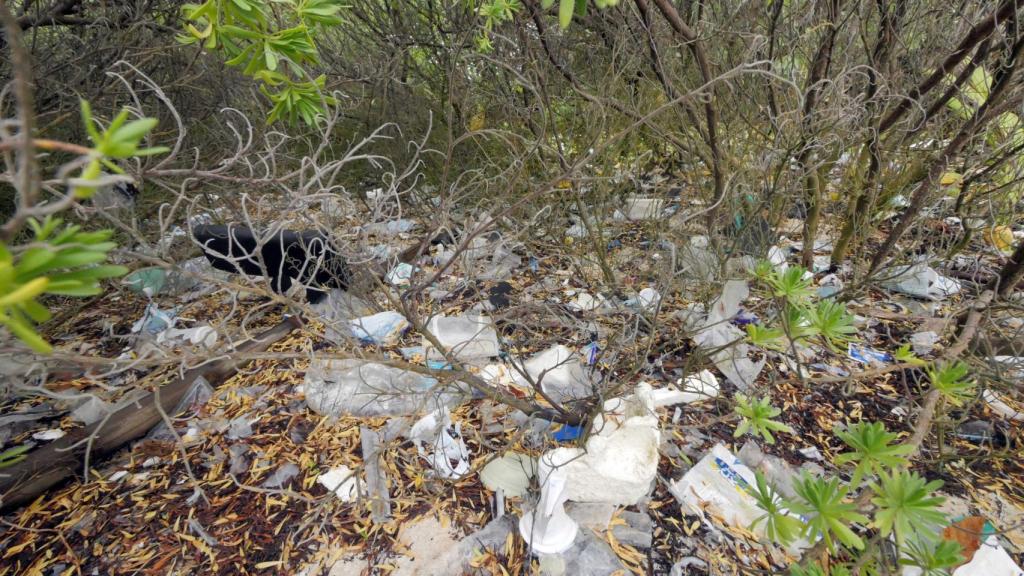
{"x":797,"y":322}
{"x":765,"y":336}
{"x":952,"y":381}
{"x":934,"y":558}
{"x":905,"y":355}
{"x":790,"y":283}
{"x":833,"y":323}
{"x":872,"y":449}
{"x":823,"y":501}
{"x":780,"y":525}
{"x":906,"y":505}
{"x":756,"y":417}
{"x":118,"y":141}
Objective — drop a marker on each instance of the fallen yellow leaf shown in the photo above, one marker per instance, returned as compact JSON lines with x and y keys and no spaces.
{"x":950,"y":178}
{"x":1000,"y":237}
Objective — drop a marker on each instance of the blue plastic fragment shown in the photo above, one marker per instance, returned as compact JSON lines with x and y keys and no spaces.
{"x":743,"y":318}
{"x":867,"y":355}
{"x":438,"y":365}
{"x":567,"y":433}
{"x":592,"y":351}
{"x":827,"y":291}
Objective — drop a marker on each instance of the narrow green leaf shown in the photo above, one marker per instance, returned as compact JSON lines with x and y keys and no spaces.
{"x":565,"y":10}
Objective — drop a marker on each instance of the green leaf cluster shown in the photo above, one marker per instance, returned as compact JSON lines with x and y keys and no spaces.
{"x":933,"y":558}
{"x":906,"y":505}
{"x":872,"y":451}
{"x":823,"y":501}
{"x":275,"y":56}
{"x":780,"y":525}
{"x":952,"y":380}
{"x":62,"y":261}
{"x":756,"y":415}
{"x":118,"y":141}
{"x":799,"y":318}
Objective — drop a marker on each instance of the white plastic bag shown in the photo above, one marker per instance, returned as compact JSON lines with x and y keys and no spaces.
{"x":381,"y":328}
{"x":722,"y":484}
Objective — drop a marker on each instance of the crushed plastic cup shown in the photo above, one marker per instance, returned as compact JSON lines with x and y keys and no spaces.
{"x":391,"y":228}
{"x":355,"y":387}
{"x":829,"y":286}
{"x":451,"y":456}
{"x":448,"y":455}
{"x":149,"y":281}
{"x":200,"y":335}
{"x":466,"y":337}
{"x":584,"y":302}
{"x":777,"y":256}
{"x":646,"y":300}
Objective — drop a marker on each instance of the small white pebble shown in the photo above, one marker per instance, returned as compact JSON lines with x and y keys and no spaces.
{"x":810,"y":453}
{"x":53,"y":434}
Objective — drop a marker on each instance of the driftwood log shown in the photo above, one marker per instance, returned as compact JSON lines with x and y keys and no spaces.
{"x":63,"y":458}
